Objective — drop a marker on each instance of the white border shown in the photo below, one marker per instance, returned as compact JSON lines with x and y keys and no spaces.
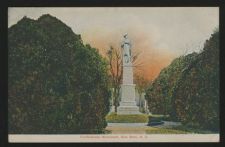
{"x":114,"y":138}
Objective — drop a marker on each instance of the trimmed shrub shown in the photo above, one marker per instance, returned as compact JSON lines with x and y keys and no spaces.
{"x":56,"y":84}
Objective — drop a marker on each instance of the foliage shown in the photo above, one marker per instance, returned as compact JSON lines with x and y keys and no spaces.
{"x":188,"y":89}
{"x":159,"y":93}
{"x":56,"y":84}
{"x":141,"y":84}
{"x":127,"y":118}
{"x":156,"y":118}
{"x":197,"y":96}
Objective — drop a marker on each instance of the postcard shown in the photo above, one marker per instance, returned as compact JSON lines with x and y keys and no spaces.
{"x":113,"y":74}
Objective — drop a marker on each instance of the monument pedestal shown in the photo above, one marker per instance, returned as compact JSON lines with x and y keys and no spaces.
{"x":128,"y":104}
{"x":128,"y":110}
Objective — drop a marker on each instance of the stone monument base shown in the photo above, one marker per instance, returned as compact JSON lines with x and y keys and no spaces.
{"x":128,"y":104}
{"x":128,"y":110}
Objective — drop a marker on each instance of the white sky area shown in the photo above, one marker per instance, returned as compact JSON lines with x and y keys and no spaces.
{"x":166,"y":29}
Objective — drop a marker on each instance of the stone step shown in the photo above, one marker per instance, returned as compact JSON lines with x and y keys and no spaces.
{"x":128,"y":103}
{"x":128,"y":110}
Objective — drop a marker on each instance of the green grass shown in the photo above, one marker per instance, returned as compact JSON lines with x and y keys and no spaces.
{"x":157,"y":115}
{"x":128,"y":118}
{"x":152,"y":130}
{"x":194,"y":130}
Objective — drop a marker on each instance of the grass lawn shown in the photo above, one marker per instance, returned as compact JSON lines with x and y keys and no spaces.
{"x":178,"y":130}
{"x":144,"y":118}
{"x":143,"y":130}
{"x":152,"y":130}
{"x":128,"y":118}
{"x":194,"y":130}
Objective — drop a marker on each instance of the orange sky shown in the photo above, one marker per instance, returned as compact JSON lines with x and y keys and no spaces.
{"x":159,"y":34}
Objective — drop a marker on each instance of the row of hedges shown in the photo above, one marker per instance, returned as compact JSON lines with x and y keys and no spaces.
{"x":188,"y":89}
{"x":160,"y":92}
{"x":56,"y":84}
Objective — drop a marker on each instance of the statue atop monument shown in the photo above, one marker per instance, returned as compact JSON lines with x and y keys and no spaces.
{"x":126,"y":45}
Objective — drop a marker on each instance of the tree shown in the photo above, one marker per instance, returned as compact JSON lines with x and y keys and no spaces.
{"x":115,"y":69}
{"x":56,"y":83}
{"x":141,"y":85}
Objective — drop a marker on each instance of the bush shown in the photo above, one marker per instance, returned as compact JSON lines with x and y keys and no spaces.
{"x":188,"y":89}
{"x":155,"y":119}
{"x":56,"y":84}
{"x":197,"y":96}
{"x":160,"y":93}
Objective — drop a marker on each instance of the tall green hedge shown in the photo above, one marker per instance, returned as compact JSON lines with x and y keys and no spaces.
{"x":188,"y":89}
{"x":197,"y":95}
{"x":56,"y":84}
{"x":160,"y":92}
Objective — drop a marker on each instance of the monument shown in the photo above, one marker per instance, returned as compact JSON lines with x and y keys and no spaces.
{"x":127,"y":104}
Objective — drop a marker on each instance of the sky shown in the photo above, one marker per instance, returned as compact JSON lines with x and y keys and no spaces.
{"x":157,"y":34}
